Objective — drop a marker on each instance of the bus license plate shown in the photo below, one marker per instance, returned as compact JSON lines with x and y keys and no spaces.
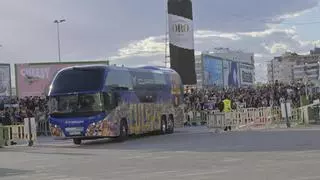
{"x":74,"y":130}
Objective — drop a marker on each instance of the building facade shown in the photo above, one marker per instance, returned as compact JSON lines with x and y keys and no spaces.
{"x":292,"y":67}
{"x":308,"y":71}
{"x":280,"y":69}
{"x":220,"y":69}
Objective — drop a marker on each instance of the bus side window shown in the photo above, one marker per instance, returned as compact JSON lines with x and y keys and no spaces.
{"x":119,"y":79}
{"x":107,"y":101}
{"x":111,"y":100}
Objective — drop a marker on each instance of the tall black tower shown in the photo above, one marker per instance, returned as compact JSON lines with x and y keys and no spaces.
{"x":181,"y":39}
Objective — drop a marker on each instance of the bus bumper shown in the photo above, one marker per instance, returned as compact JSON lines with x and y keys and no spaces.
{"x":102,"y":129}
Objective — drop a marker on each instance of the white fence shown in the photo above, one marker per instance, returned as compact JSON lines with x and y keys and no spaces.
{"x":257,"y":118}
{"x":242,"y":119}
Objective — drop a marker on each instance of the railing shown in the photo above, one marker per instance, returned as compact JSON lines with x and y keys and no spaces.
{"x":242,"y":119}
{"x":251,"y":118}
{"x":12,"y":133}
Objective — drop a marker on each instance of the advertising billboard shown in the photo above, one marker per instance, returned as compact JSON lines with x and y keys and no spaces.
{"x":34,"y":79}
{"x":5,"y":80}
{"x":231,"y":74}
{"x":212,"y":71}
{"x":246,"y":74}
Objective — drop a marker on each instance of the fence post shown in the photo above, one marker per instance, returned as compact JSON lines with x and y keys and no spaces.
{"x":287,"y":116}
{"x":30,"y":142}
{"x":2,"y":136}
{"x":30,"y":130}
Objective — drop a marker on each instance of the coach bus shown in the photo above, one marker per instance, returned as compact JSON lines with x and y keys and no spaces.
{"x":101,"y":101}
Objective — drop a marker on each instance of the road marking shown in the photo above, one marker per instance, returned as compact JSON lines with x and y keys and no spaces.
{"x":123,"y":171}
{"x":232,"y":160}
{"x":308,"y":178}
{"x":143,"y":174}
{"x":135,"y":157}
{"x":152,"y":174}
{"x":202,"y":173}
{"x":161,"y":157}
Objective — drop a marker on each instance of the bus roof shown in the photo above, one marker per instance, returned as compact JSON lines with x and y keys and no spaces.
{"x":110,"y":67}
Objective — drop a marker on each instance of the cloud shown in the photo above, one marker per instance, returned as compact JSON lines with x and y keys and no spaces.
{"x":268,"y":39}
{"x":131,"y":32}
{"x":248,"y":15}
{"x":150,"y":46}
{"x":204,"y":34}
{"x":276,"y":48}
{"x":265,"y":44}
{"x":281,"y":18}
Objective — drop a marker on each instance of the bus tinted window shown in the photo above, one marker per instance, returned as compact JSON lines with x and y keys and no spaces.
{"x":148,"y":80}
{"x":78,"y":79}
{"x":142,"y":79}
{"x":159,"y":78}
{"x":118,"y":78}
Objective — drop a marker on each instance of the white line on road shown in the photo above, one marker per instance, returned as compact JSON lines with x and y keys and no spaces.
{"x":134,"y":157}
{"x":232,"y":160}
{"x":202,"y":173}
{"x":144,"y":175}
{"x":161,"y":157}
{"x":308,"y":178}
{"x":128,"y":171}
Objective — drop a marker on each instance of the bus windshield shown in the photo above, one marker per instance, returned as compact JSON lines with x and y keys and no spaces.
{"x":78,"y":80}
{"x":76,"y":103}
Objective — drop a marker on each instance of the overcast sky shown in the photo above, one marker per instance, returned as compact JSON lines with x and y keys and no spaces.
{"x":131,"y":32}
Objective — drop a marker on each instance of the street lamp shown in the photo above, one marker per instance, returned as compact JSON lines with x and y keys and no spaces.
{"x":58,"y":33}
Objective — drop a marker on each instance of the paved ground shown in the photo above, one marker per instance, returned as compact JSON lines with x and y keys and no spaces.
{"x":190,"y":154}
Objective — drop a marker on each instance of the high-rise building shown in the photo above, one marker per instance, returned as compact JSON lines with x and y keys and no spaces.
{"x":294,"y":67}
{"x":280,"y":69}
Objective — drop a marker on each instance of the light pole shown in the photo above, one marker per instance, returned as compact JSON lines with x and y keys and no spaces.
{"x":58,"y":33}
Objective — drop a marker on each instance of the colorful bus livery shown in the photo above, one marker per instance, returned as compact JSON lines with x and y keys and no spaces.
{"x":99,"y":101}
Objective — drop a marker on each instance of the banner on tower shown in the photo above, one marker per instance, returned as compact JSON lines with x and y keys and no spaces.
{"x":181,"y":39}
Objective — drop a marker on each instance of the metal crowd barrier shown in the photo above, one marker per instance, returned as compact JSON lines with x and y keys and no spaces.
{"x":255,"y":118}
{"x":216,"y":120}
{"x":43,"y":128}
{"x":197,"y":118}
{"x":11,"y":134}
{"x":243,"y":119}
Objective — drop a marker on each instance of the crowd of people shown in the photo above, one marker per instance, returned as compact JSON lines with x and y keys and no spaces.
{"x":14,"y":110}
{"x":262,"y":96}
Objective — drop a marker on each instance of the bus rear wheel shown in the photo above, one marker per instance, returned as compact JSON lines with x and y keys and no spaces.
{"x":123,"y":135}
{"x":170,"y":125}
{"x":77,"y":141}
{"x":164,"y":125}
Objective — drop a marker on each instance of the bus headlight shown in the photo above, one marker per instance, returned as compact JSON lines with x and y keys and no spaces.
{"x":56,"y":130}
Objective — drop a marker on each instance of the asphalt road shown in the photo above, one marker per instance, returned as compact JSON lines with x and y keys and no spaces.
{"x":190,"y":154}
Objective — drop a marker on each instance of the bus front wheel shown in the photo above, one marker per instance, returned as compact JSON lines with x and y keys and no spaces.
{"x":77,"y":141}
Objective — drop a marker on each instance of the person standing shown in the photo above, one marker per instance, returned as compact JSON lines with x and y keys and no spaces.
{"x":226,"y":109}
